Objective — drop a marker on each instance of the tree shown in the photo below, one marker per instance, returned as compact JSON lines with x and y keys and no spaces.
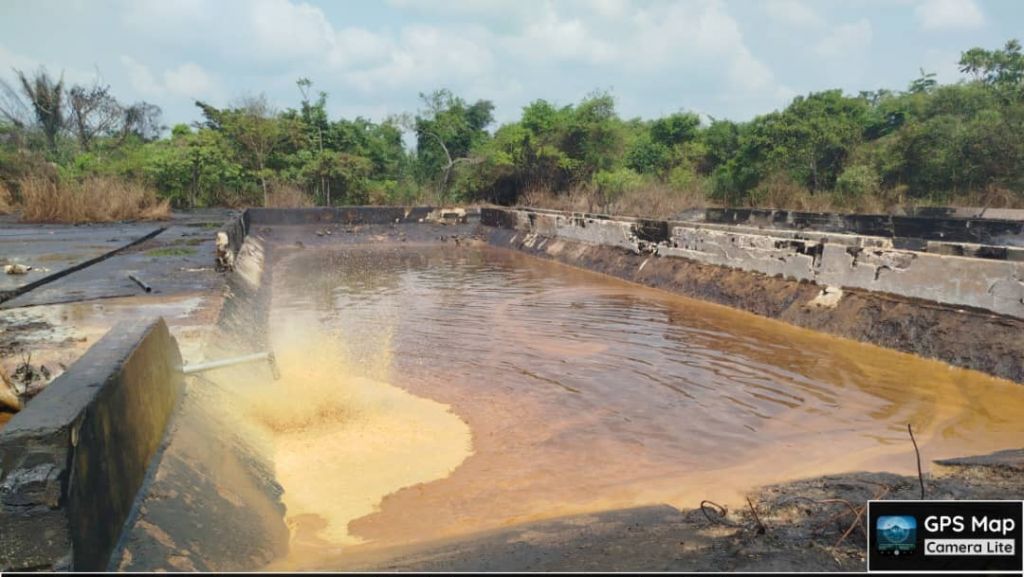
{"x":46,"y":97}
{"x":660,"y":146}
{"x":314,"y":118}
{"x":141,"y":120}
{"x":812,"y":137}
{"x":194,"y":168}
{"x":93,"y":112}
{"x":446,"y":130}
{"x":924,"y":83}
{"x":1003,"y":68}
{"x":255,"y":129}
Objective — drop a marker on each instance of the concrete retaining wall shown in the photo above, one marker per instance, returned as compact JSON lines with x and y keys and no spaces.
{"x":353,"y":215}
{"x":837,"y":261}
{"x":938,"y":224}
{"x":72,"y":462}
{"x":894,"y":298}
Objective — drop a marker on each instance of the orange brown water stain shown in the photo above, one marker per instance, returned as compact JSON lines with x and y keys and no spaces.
{"x":584,"y":393}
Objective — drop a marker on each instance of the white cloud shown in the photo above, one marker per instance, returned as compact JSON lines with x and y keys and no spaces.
{"x":265,"y":33}
{"x":943,"y":14}
{"x":703,"y":37}
{"x":425,"y":57}
{"x":504,"y":50}
{"x":9,"y":60}
{"x":496,"y":11}
{"x":795,"y":13}
{"x":358,"y":47}
{"x":141,"y":78}
{"x":188,"y":80}
{"x":553,"y":38}
{"x":280,"y":29}
{"x":845,"y":40}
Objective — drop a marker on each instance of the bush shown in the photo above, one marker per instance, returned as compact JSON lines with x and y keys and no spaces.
{"x":780,"y":191}
{"x":613,"y":184}
{"x":857,"y":181}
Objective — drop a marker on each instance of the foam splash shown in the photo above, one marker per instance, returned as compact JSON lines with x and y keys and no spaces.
{"x":342,"y":437}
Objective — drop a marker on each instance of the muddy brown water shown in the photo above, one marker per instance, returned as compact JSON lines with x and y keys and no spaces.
{"x":432,"y":392}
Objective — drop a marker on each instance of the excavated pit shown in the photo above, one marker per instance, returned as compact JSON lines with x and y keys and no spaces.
{"x":438,"y":386}
{"x":450,"y":390}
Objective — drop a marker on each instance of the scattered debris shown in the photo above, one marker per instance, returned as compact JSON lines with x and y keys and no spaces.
{"x":26,"y":373}
{"x":17,"y":269}
{"x":721,"y":513}
{"x":761,"y":529}
{"x":225,"y":257}
{"x":447,"y":216}
{"x":10,"y":396}
{"x":300,"y":244}
{"x":25,"y":382}
{"x":828,"y":298}
{"x":920,"y":475}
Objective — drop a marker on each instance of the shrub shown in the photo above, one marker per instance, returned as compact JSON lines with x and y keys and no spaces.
{"x":858,"y":181}
{"x":613,"y":184}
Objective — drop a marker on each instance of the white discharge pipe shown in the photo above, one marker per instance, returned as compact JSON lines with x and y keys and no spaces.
{"x":221,"y":363}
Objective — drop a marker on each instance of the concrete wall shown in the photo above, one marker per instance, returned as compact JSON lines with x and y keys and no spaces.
{"x":352,"y":215}
{"x":830,"y":260}
{"x":72,"y":462}
{"x":942,"y":224}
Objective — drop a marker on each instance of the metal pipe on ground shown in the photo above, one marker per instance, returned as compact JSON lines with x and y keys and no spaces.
{"x":139,"y":282}
{"x":229,"y":362}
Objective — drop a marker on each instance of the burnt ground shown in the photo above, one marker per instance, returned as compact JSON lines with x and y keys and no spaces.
{"x":809,"y":525}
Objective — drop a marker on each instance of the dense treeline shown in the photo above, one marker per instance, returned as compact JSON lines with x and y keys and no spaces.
{"x":947,"y":144}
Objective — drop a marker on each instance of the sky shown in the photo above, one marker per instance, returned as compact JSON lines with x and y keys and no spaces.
{"x":720,"y":58}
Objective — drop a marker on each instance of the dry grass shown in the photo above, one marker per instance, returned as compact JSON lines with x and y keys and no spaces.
{"x":652,"y":200}
{"x":992,"y":197}
{"x":658,"y":201}
{"x":288,"y":196}
{"x":95,"y":199}
{"x":576,"y":200}
{"x":6,"y":200}
{"x":780,"y":192}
